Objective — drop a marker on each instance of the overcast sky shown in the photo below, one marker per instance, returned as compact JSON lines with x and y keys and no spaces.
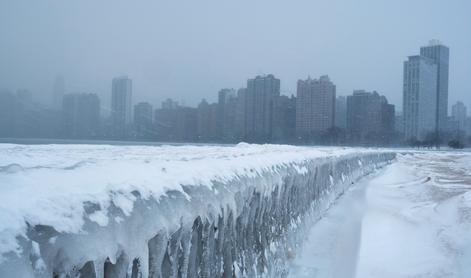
{"x":188,"y":50}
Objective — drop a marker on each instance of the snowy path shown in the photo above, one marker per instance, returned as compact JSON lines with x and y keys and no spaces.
{"x":412,"y":219}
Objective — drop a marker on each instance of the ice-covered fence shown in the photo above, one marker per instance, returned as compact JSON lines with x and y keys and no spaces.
{"x":166,"y":211}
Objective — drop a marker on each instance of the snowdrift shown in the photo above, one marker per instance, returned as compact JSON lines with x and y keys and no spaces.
{"x":166,"y":211}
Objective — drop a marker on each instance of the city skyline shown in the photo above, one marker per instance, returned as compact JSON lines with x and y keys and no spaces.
{"x":197,"y":65}
{"x":255,"y":114}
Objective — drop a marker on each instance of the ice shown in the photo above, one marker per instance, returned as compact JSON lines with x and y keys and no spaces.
{"x":165,"y":210}
{"x":411,"y":219}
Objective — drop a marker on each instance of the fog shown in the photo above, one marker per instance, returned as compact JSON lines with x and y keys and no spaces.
{"x":188,"y":50}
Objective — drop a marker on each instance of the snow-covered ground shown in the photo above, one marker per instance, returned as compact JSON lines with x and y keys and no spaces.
{"x":411,"y":219}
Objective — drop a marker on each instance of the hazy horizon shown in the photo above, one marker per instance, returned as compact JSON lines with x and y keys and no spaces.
{"x":190,"y":50}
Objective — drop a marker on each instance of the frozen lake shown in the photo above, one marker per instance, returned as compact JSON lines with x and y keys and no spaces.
{"x":411,"y":219}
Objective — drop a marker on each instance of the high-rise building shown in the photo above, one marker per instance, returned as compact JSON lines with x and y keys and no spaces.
{"x":388,"y":119}
{"x":205,"y":130}
{"x":452,"y":130}
{"x":315,"y":107}
{"x":58,"y":92}
{"x":121,"y":106}
{"x":143,"y":120}
{"x":370,"y":118}
{"x":81,"y":116}
{"x":399,"y":123}
{"x":226,"y":117}
{"x":439,"y":54}
{"x":341,"y":112}
{"x":169,"y":104}
{"x":174,"y":122}
{"x":241,"y":114}
{"x":284,"y":123}
{"x":459,"y":114}
{"x":468,"y":125}
{"x":419,"y":97}
{"x":261,"y":94}
{"x":165,"y":121}
{"x":186,"y":124}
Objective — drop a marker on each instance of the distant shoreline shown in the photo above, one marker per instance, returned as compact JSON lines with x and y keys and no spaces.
{"x":55,"y":141}
{"x":49,"y":141}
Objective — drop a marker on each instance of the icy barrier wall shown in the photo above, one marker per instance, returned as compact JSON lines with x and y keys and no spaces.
{"x":246,"y":226}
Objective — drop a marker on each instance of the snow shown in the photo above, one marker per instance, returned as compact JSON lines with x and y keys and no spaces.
{"x":50,"y":184}
{"x":411,"y":219}
{"x":39,"y":264}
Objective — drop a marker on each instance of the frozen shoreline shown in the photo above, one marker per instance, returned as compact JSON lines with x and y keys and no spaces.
{"x":411,"y":219}
{"x":66,"y":206}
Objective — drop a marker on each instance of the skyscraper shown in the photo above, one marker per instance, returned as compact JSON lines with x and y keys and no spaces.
{"x":341,"y":112}
{"x":206,"y":130}
{"x":370,"y":118}
{"x":419,"y":97}
{"x":187,"y":124}
{"x":226,"y":117}
{"x":284,"y":123}
{"x":121,"y":105}
{"x":399,"y":123}
{"x":165,"y":120}
{"x":260,"y":99}
{"x":315,"y":106}
{"x":440,"y":55}
{"x":241,"y":114}
{"x":458,"y":114}
{"x":143,"y":117}
{"x":169,"y":104}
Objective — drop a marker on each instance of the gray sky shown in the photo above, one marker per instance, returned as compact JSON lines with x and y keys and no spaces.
{"x":190,"y":49}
